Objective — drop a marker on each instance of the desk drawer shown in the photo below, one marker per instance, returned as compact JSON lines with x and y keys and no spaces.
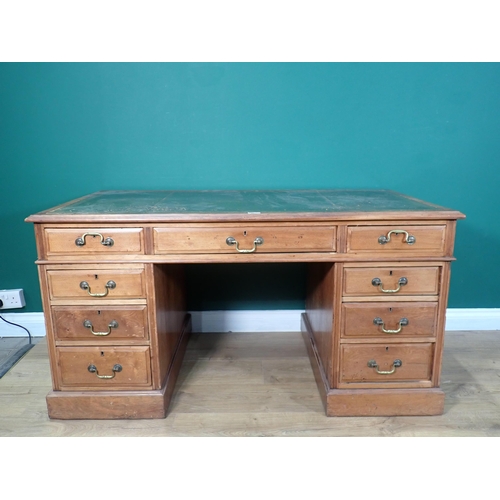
{"x":391,"y":281}
{"x":106,"y":368}
{"x":244,"y":239}
{"x":99,"y":241}
{"x":96,"y":284}
{"x":101,"y":325}
{"x":389,"y":319}
{"x":397,"y":362}
{"x":396,"y":239}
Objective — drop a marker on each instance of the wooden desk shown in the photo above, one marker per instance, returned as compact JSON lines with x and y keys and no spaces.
{"x":111,"y":269}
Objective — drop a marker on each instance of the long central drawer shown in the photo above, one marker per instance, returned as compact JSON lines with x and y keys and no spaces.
{"x":244,"y":239}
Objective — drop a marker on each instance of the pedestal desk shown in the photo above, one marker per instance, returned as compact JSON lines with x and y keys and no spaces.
{"x":111,"y":269}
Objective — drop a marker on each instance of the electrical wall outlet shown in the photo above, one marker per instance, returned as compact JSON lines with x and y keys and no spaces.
{"x":12,"y":299}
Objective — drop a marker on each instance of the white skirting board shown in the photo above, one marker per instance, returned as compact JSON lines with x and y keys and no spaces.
{"x":34,"y":322}
{"x":256,"y":321}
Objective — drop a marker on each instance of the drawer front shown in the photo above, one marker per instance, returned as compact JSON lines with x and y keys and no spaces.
{"x":106,"y":368}
{"x":99,"y":284}
{"x":103,"y":325}
{"x":401,"y":240}
{"x":389,"y":319}
{"x":391,"y":281}
{"x":245,"y":239}
{"x":379,"y":362}
{"x":100,"y":241}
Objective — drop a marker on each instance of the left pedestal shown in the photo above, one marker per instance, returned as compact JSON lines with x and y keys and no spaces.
{"x":116,"y":336}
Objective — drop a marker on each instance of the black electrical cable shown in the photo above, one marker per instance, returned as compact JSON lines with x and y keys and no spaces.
{"x":20,"y":326}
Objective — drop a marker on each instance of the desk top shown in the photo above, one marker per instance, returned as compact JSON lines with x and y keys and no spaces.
{"x":226,"y":206}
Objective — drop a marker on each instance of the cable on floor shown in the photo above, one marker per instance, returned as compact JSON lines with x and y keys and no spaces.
{"x":6,"y":366}
{"x":20,"y":326}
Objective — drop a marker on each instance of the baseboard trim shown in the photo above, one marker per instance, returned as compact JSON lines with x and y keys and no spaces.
{"x":33,"y":321}
{"x":257,"y":321}
{"x":246,"y":321}
{"x":472,"y":319}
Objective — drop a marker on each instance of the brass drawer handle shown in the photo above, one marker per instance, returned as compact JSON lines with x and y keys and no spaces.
{"x":107,"y":242}
{"x":378,"y":282}
{"x":93,"y":369}
{"x":109,"y":286}
{"x":402,"y":322}
{"x":409,"y":238}
{"x":88,"y":324}
{"x":258,"y":241}
{"x":396,"y":364}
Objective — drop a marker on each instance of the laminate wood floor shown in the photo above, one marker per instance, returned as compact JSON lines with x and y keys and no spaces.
{"x":8,"y":345}
{"x":12,"y":349}
{"x":256,"y":384}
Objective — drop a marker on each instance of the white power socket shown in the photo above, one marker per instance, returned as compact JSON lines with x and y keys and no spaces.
{"x":12,"y":299}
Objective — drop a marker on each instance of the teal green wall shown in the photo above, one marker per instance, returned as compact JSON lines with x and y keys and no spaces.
{"x":428,"y":130}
